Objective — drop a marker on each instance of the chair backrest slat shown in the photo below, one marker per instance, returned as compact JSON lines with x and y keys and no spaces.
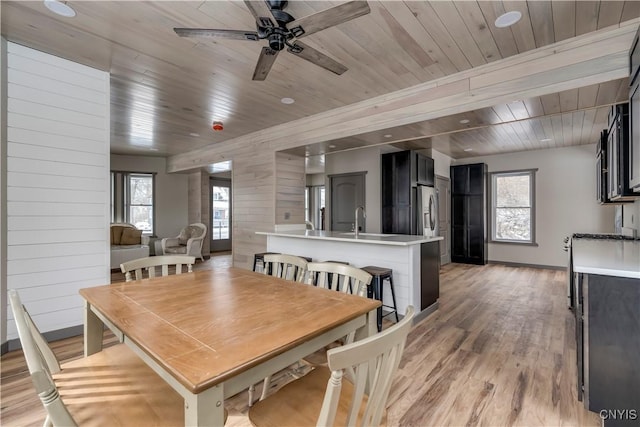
{"x":343,"y":278}
{"x":149,"y":264}
{"x":374,"y":360}
{"x":289,"y":267}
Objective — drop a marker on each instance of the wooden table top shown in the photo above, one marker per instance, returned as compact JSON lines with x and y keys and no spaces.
{"x":207,"y":326}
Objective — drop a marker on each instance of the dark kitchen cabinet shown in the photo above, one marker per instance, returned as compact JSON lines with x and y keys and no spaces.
{"x":634,"y":115}
{"x":618,"y":155}
{"x":634,"y":137}
{"x":608,"y":344}
{"x":424,"y":170}
{"x":468,"y":214}
{"x":402,"y":172}
{"x":602,"y":191}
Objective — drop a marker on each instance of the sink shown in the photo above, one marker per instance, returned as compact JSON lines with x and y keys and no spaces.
{"x":368,"y":234}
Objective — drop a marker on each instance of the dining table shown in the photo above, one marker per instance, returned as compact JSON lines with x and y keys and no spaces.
{"x":212,"y":333}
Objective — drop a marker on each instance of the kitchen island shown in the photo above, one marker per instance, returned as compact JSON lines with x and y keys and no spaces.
{"x":606,"y":273}
{"x":415,"y":260}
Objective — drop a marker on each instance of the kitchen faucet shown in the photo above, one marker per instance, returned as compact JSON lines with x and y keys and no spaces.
{"x":364,"y":215}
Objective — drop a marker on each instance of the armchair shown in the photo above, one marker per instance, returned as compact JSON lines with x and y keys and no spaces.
{"x":188,"y":242}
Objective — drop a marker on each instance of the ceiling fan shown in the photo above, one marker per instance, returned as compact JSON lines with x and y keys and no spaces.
{"x":283,"y":30}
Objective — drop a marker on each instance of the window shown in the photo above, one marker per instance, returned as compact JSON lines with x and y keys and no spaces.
{"x":132,"y":199}
{"x":513,"y":206}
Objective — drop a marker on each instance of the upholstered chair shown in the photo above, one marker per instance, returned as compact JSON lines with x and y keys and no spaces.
{"x":188,"y":242}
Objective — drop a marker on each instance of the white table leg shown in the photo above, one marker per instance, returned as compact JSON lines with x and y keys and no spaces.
{"x":206,"y":408}
{"x":93,"y":330}
{"x":370,"y":327}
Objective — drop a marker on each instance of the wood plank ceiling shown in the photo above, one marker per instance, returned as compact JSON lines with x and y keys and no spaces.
{"x":166,"y":91}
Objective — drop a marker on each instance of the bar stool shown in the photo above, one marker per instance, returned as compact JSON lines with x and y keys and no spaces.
{"x":379,"y":275}
{"x":259,"y":257}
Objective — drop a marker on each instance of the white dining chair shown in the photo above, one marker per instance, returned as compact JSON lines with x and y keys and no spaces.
{"x":111,"y":387}
{"x":148,"y":264}
{"x":338,"y":277}
{"x":325,"y":397}
{"x":289,"y":267}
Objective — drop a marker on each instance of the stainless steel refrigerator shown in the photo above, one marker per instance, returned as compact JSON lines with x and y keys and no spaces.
{"x":428,"y":215}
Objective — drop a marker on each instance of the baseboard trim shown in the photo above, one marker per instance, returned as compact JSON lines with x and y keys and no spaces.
{"x":519,"y":264}
{"x":425,"y":313}
{"x":72,"y":331}
{"x":4,"y":348}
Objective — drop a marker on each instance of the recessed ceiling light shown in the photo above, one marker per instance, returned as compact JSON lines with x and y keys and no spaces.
{"x":468,"y":149}
{"x":388,"y":135}
{"x":464,"y":121}
{"x":153,"y":149}
{"x":508,"y":19}
{"x":60,"y":7}
{"x":194,"y":134}
{"x":545,"y":140}
{"x":332,"y":146}
{"x":287,"y":100}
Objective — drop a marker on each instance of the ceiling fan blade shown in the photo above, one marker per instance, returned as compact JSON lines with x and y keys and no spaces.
{"x":318,"y":58}
{"x":265,"y":61}
{"x":261,"y":12}
{"x":225,"y":34}
{"x":330,"y":17}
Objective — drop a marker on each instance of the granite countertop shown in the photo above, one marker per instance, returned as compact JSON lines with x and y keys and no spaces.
{"x":606,"y":257}
{"x":341,"y":236}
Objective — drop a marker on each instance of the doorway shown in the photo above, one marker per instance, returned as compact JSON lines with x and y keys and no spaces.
{"x":443,"y":192}
{"x":347,"y":193}
{"x":220,"y":214}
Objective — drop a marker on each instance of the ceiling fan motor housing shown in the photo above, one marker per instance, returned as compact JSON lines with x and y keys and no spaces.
{"x":276,"y":41}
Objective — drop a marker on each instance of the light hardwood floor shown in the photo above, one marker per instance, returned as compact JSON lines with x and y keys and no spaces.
{"x":500,"y":351}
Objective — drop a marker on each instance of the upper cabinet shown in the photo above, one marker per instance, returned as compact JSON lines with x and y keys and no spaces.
{"x":634,"y":116}
{"x":424,"y":170}
{"x":618,"y":155}
{"x":602,"y":190}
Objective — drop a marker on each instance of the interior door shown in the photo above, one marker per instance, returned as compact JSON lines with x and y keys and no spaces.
{"x":347,"y":193}
{"x":443,"y":193}
{"x":220,"y":214}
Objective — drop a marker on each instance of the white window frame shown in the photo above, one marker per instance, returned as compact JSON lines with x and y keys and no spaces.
{"x":531,"y":173}
{"x":120,"y":197}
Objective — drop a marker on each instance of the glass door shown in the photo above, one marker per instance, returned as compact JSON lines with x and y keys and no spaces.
{"x":220,"y":215}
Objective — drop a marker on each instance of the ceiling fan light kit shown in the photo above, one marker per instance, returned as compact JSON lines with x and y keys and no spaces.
{"x":282,"y":30}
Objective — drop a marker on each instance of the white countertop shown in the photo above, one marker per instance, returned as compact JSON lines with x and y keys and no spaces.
{"x":606,"y":257}
{"x":341,"y":236}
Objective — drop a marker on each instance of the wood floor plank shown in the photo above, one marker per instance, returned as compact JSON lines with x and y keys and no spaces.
{"x":499,"y":351}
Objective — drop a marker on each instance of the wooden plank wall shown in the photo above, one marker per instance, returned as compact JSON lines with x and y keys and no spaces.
{"x":290,"y":183}
{"x":253,"y":182}
{"x":199,"y":210}
{"x":57,"y":185}
{"x":3,"y":192}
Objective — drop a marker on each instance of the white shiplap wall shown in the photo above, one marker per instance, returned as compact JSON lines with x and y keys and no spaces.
{"x":57,"y":184}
